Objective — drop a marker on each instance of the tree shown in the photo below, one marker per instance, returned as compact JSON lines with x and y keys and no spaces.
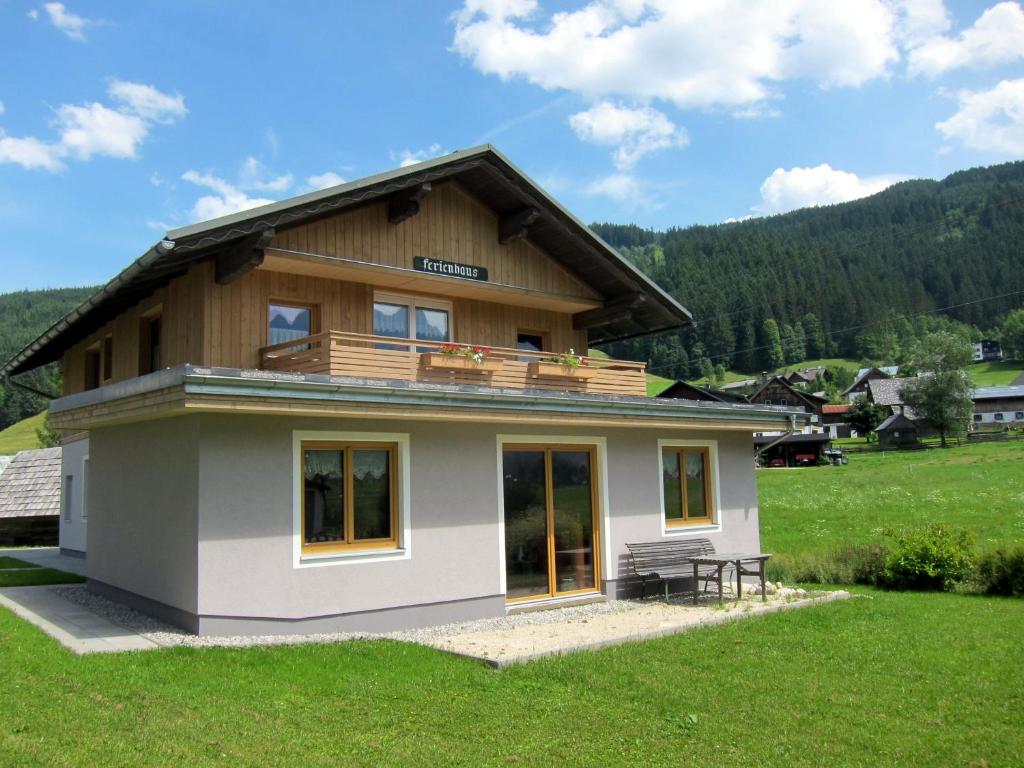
{"x":815,"y":336}
{"x":864,"y":415}
{"x":1012,"y":331}
{"x":942,"y":395}
{"x":47,"y":437}
{"x":771,"y":341}
{"x":746,"y":357}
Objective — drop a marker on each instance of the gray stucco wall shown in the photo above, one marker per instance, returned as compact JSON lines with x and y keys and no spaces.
{"x":197,"y":513}
{"x":143,"y":492}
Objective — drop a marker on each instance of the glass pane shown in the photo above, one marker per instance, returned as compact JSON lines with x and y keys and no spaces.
{"x":324,"y":491}
{"x":696,"y":496}
{"x":574,"y":520}
{"x":530,"y":342}
{"x":431,"y":324}
{"x":288,"y":323}
{"x":526,"y":536}
{"x":371,"y":493}
{"x":390,"y":320}
{"x":670,"y":482}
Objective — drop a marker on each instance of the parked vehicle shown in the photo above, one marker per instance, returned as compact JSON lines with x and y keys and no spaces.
{"x":835,"y":456}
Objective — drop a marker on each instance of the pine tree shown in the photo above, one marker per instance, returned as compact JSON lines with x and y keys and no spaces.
{"x":772,"y":357}
{"x":815,"y":336}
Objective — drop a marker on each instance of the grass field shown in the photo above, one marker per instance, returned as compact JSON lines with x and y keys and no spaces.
{"x":995,"y":374}
{"x":814,"y":509}
{"x":888,"y":679}
{"x":21,"y":436}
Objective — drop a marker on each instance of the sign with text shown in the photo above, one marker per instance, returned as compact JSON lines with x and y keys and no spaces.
{"x":449,"y":268}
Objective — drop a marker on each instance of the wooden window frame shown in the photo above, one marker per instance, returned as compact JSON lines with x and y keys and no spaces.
{"x":595,"y":510}
{"x":350,"y":544}
{"x":314,"y":315}
{"x":411,"y":301}
{"x":92,"y":367}
{"x":146,"y":321}
{"x":709,"y":499}
{"x":544,"y":336}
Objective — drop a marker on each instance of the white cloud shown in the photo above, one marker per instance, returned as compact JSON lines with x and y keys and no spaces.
{"x":227,"y":198}
{"x":147,"y":102}
{"x":634,"y":132}
{"x":408,"y":157}
{"x":822,"y":185}
{"x":71,"y":24}
{"x":621,"y":188}
{"x":919,"y":20}
{"x":325,"y":180}
{"x":30,"y":153}
{"x":33,"y":14}
{"x":92,"y":129}
{"x":997,"y":37}
{"x":254,"y":176}
{"x":717,"y":54}
{"x":990,"y":121}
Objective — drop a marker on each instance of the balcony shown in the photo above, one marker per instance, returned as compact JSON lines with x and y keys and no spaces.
{"x":338,"y":353}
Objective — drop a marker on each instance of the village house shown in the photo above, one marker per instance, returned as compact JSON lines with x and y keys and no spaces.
{"x":30,"y":498}
{"x":778,"y":391}
{"x":370,"y":407}
{"x":999,"y":405}
{"x":863,"y":379}
{"x":809,"y":376}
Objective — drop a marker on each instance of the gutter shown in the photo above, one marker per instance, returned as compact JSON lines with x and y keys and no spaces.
{"x":789,"y":433}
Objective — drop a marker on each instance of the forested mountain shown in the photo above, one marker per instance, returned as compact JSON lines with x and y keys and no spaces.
{"x":856,"y":279}
{"x":23,"y":316}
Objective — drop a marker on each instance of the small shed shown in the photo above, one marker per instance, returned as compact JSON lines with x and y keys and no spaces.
{"x":799,"y":450}
{"x":30,"y":499}
{"x":898,"y":432}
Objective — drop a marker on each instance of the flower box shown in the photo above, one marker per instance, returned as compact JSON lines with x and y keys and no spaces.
{"x":459,"y":363}
{"x":561,"y":370}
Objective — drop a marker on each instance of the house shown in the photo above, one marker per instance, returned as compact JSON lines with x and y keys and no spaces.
{"x":369,"y":407}
{"x":30,"y":498}
{"x":777,"y":391}
{"x":898,"y":431}
{"x":835,"y":419}
{"x":809,"y":376}
{"x":798,"y":450}
{"x":999,"y":405}
{"x":864,"y":377}
{"x":682,"y":390}
{"x":987,"y":350}
{"x":887,"y":392}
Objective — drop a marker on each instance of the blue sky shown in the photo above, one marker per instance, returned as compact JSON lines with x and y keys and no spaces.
{"x":121,"y":120}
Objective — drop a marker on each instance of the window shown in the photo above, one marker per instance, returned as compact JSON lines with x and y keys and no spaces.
{"x":410,"y":317}
{"x":68,"y":496}
{"x":150,"y":329}
{"x":783,"y":401}
{"x":685,"y":477}
{"x":1019,"y":415}
{"x":998,"y":417}
{"x":977,"y":417}
{"x":290,"y":321}
{"x":85,"y":488}
{"x":348,"y":496}
{"x":92,"y":368}
{"x":531,"y":341}
{"x":108,"y":358}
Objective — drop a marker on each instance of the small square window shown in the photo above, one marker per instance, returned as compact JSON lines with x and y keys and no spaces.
{"x":999,"y":417}
{"x":977,"y":417}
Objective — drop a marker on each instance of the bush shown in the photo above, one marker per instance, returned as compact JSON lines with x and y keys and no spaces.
{"x":852,"y":564}
{"x":862,"y":564}
{"x":933,"y":557}
{"x":1001,"y":572}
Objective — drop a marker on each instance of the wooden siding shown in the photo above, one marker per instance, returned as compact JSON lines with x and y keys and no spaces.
{"x":452,"y":225}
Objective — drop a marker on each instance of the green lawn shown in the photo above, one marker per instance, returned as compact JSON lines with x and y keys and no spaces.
{"x":887,"y":679}
{"x":30,"y":576}
{"x":980,"y":487}
{"x":995,"y":374}
{"x":13,"y":562}
{"x":21,"y":436}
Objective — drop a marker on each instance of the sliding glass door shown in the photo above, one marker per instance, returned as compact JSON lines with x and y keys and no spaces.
{"x":551,"y":531}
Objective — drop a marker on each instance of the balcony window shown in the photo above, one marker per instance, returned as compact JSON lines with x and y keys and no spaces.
{"x":411,"y":317}
{"x":288,"y":322}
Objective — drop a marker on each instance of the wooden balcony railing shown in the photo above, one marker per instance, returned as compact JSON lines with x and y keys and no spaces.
{"x":338,"y":353}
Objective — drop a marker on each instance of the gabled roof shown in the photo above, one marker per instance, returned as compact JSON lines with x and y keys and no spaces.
{"x":482,"y":171}
{"x":994,"y":393}
{"x":811,"y":399}
{"x":30,"y":486}
{"x":886,"y":371}
{"x":897,"y":420}
{"x":683,"y":390}
{"x":887,"y":391}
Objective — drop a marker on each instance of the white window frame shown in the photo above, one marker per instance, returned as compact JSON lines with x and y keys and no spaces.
{"x":600,"y":446}
{"x":85,"y":488}
{"x":404,"y":549}
{"x":715,"y":526}
{"x":411,"y":302}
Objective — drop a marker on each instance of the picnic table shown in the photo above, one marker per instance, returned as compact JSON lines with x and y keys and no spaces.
{"x":722,"y":560}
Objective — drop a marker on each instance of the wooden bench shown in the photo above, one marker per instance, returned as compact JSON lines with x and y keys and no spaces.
{"x":691,"y":559}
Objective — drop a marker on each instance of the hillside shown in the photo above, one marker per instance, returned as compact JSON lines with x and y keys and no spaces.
{"x":836,"y":281}
{"x":23,"y":316}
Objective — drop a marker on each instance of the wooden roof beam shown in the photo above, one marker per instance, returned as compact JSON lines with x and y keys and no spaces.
{"x":243,"y":256}
{"x":406,"y":203}
{"x":515,"y":225}
{"x":614,"y":311}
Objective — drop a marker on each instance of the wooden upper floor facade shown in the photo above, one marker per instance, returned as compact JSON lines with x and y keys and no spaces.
{"x":459,"y":270}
